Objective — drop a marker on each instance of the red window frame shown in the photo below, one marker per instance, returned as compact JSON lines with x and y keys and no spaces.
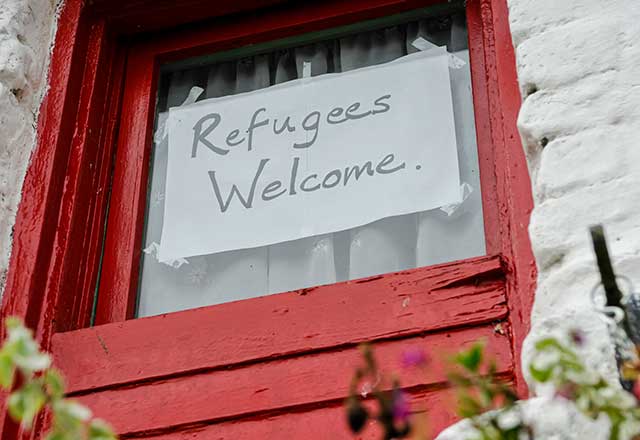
{"x":94,"y":139}
{"x":121,"y":265}
{"x":122,"y":251}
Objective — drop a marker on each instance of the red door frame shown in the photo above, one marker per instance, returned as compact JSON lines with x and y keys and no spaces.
{"x":64,"y":206}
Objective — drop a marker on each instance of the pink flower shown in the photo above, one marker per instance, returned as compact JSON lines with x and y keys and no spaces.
{"x":636,"y":389}
{"x":577,"y":337}
{"x":567,"y":391}
{"x":400,"y":409}
{"x":414,"y":357}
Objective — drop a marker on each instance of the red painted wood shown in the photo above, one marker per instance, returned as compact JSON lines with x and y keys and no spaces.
{"x":281,"y":385}
{"x":101,"y":186}
{"x":79,"y":234}
{"x":74,"y":202}
{"x":482,"y":112}
{"x":119,"y":278}
{"x":510,"y":188}
{"x":37,"y":217}
{"x":325,"y":423}
{"x":403,"y":304}
{"x":142,"y":16}
{"x":294,"y":19}
{"x":129,"y":17}
{"x":514,"y":184}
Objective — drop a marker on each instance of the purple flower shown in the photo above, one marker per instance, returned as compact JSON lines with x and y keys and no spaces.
{"x":577,"y":337}
{"x":400,"y":409}
{"x":567,"y":391}
{"x":414,"y":357}
{"x":636,"y":389}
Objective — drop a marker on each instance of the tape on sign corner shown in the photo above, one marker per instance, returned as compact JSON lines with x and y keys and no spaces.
{"x":422,"y":44}
{"x":161,"y":131}
{"x":153,"y":249}
{"x":454,"y":209}
{"x":306,"y":69}
{"x":193,"y":95}
{"x":456,"y":62}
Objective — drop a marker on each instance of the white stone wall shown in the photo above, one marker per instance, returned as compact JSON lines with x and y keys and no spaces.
{"x":579,"y":71}
{"x":26,"y":30}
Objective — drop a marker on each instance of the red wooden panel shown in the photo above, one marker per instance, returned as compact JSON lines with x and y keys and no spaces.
{"x":279,"y":385}
{"x":293,"y":19}
{"x":325,"y":423}
{"x":379,"y":307}
{"x":82,"y":215}
{"x":37,"y":218}
{"x":119,"y":278}
{"x":132,"y":16}
{"x":512,"y":192}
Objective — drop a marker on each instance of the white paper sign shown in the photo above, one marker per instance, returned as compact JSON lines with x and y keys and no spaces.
{"x":311,"y":156}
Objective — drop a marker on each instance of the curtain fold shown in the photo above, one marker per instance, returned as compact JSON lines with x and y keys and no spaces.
{"x":387,"y":245}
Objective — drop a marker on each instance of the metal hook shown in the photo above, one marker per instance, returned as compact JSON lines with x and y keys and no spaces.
{"x":615,"y":297}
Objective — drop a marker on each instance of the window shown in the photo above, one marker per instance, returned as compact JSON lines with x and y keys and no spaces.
{"x":271,"y":365}
{"x":387,"y":245}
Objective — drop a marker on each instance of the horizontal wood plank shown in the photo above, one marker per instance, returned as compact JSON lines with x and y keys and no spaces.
{"x":282,"y":385}
{"x":325,"y":423}
{"x":390,"y":306}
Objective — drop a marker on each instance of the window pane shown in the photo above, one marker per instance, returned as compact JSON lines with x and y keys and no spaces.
{"x":387,"y":245}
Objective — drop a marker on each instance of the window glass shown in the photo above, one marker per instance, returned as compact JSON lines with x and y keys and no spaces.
{"x":391,"y":244}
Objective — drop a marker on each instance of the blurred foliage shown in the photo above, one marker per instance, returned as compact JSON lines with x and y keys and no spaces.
{"x":490,"y":404}
{"x":36,"y":387}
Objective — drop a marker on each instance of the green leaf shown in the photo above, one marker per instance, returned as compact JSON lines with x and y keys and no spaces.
{"x":64,"y":419}
{"x":54,"y":383}
{"x":468,"y":406}
{"x":12,"y":322}
{"x":16,"y":406}
{"x":472,"y":358}
{"x":26,"y":403}
{"x":73,"y":410}
{"x":32,"y":361}
{"x":24,"y":351}
{"x":56,"y":435}
{"x":100,"y":430}
{"x":541,"y":375}
{"x":548,"y":343}
{"x":487,"y":395}
{"x":7,"y":370}
{"x":459,"y":380}
{"x":34,"y":400}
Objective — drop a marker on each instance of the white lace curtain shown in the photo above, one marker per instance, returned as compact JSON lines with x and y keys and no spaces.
{"x":387,"y":245}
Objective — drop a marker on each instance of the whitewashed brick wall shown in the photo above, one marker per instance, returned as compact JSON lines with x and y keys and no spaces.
{"x":579,"y":71}
{"x":26,"y":30}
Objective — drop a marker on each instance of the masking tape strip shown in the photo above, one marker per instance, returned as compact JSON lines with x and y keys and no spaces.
{"x":423,"y":44}
{"x":306,"y":69}
{"x":465,"y":192}
{"x":158,"y":137}
{"x":161,"y":131}
{"x":153,"y":249}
